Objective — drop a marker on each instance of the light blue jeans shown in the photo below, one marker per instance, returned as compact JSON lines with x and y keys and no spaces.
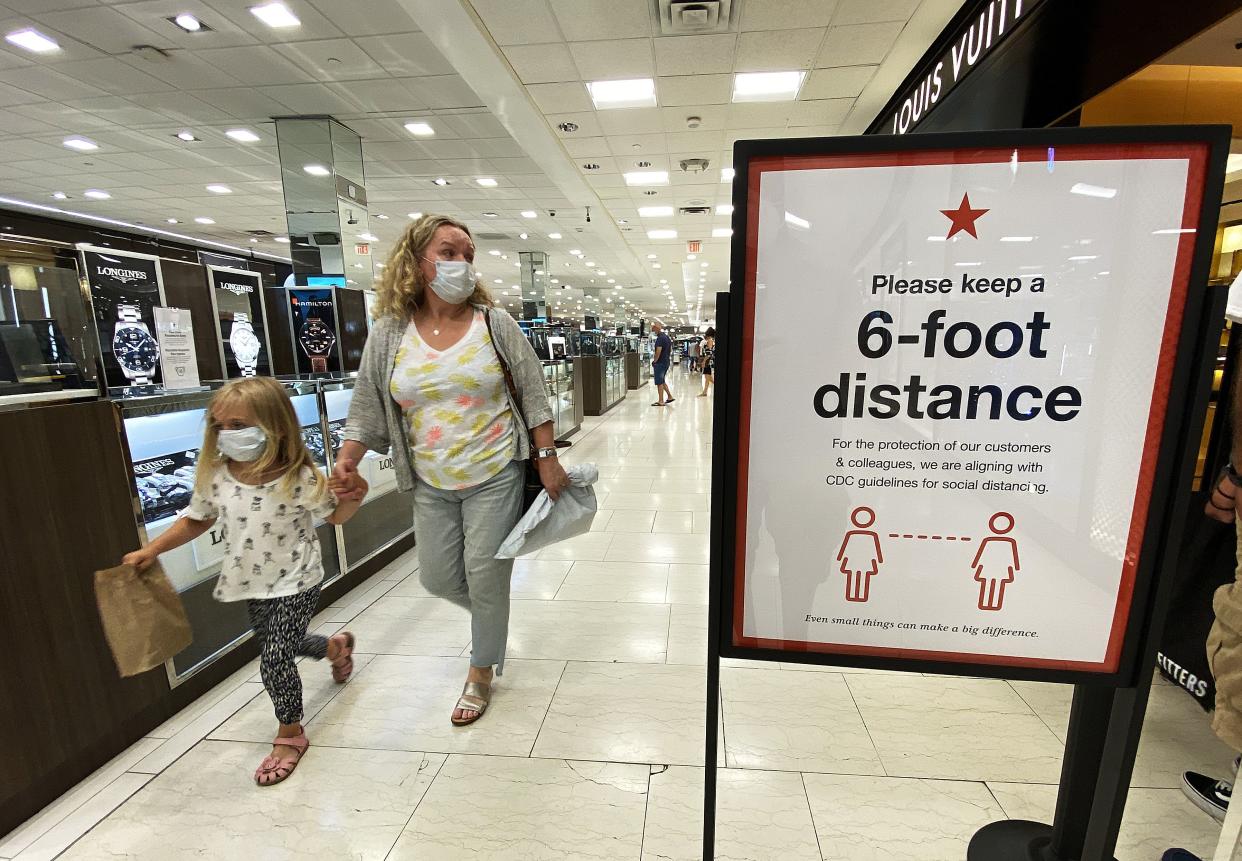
{"x":458,"y":533}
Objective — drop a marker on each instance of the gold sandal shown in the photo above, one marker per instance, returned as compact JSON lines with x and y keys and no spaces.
{"x":475,"y":697}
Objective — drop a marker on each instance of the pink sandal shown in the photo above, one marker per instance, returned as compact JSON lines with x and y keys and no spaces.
{"x":343,"y":665}
{"x":274,"y":769}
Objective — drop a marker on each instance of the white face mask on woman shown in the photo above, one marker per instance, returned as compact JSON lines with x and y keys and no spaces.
{"x":455,"y":281}
{"x":242,"y":445}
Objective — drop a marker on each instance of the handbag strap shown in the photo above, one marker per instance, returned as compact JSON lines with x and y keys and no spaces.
{"x":508,"y":375}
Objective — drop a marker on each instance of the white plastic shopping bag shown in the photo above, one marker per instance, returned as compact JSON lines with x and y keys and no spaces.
{"x":547,"y":522}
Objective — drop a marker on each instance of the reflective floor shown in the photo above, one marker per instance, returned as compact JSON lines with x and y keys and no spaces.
{"x":593,"y":746}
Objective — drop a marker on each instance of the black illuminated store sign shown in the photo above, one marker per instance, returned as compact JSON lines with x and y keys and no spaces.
{"x":983,"y":32}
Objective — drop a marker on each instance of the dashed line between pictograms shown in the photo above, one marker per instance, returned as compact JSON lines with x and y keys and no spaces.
{"x":930,"y":537}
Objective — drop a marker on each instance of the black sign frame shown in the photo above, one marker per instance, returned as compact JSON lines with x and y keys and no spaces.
{"x":222,"y":280}
{"x":117,"y":278}
{"x":326,"y":310}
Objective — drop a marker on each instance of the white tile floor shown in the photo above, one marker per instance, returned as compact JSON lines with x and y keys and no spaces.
{"x":593,"y":747}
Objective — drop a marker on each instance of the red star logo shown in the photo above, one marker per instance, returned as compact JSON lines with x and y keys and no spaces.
{"x":963,"y":218}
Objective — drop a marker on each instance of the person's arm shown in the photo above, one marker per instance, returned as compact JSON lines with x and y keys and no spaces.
{"x":1225,"y":501}
{"x":551,"y":473}
{"x":182,"y":532}
{"x":655,"y":360}
{"x":367,"y":424}
{"x":347,"y":505}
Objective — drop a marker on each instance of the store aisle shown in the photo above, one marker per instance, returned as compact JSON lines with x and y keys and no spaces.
{"x":593,"y":745}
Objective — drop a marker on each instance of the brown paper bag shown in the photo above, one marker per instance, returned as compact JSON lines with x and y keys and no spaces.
{"x":142,"y":616}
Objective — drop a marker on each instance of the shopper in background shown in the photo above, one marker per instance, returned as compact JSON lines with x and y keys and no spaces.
{"x":256,"y":477}
{"x":694,"y":355}
{"x":433,"y":385}
{"x":708,"y":357}
{"x":660,"y":364}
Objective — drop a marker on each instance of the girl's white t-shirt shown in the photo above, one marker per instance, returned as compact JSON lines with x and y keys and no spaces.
{"x":270,"y":546}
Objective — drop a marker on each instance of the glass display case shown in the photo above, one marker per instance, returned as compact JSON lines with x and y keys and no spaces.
{"x":614,"y":379}
{"x":163,"y":433}
{"x":558,"y":377}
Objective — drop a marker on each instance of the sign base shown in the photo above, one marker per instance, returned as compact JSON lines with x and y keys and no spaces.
{"x":1014,"y":840}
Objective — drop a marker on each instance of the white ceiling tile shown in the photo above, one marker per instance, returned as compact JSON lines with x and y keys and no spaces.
{"x":581,"y":148}
{"x":841,"y":82}
{"x":10,"y":96}
{"x":406,"y":54}
{"x":154,"y":15}
{"x":184,"y":108}
{"x":542,"y":64}
{"x":567,"y":96}
{"x":629,"y":148}
{"x":787,"y":14}
{"x":332,"y":60}
{"x":696,"y":140}
{"x":695,"y":55}
{"x":517,"y":22}
{"x":61,"y":117}
{"x":102,"y":28}
{"x":113,"y":76}
{"x":732,"y":136}
{"x":874,"y":11}
{"x":499,"y":148}
{"x":857,"y":45}
{"x":777,"y":50}
{"x":34,"y":7}
{"x":118,"y":110}
{"x":257,"y":65}
{"x":444,"y":91}
{"x":184,"y":71}
{"x":694,"y":90}
{"x":613,"y":60}
{"x":753,"y":115}
{"x":49,"y":83}
{"x":634,"y":121}
{"x":474,"y":125}
{"x":244,"y":103}
{"x":820,"y":112}
{"x":384,"y":94}
{"x":310,"y":99}
{"x":607,"y":164}
{"x":711,"y":117}
{"x":584,"y":20}
{"x":366,"y":17}
{"x":23,"y":149}
{"x":393,"y":151}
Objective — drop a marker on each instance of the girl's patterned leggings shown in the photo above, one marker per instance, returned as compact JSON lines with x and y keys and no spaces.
{"x":280,"y":624}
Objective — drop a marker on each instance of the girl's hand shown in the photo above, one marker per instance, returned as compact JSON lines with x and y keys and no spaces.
{"x":140,"y":559}
{"x":553,"y":476}
{"x":346,"y":483}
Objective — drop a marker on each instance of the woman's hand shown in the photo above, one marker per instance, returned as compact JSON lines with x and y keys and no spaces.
{"x":553,"y":476}
{"x":345,"y":482}
{"x":140,"y":559}
{"x":1225,"y":503}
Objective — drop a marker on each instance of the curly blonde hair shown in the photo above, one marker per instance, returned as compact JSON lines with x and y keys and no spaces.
{"x":402,"y":285}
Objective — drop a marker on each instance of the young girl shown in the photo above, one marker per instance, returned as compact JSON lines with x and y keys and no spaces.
{"x":255,"y":475}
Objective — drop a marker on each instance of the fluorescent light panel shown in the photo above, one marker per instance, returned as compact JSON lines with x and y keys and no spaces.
{"x":655,"y":211}
{"x":242,"y":135}
{"x":421,"y":130}
{"x":275,"y":15}
{"x":316,"y":169}
{"x":32,"y":40}
{"x":633,"y":93}
{"x":81,"y":144}
{"x":661,"y":234}
{"x":486,"y":182}
{"x":767,"y":86}
{"x":647,"y":177}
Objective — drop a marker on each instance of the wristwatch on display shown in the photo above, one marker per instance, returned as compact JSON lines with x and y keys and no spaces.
{"x":245,"y":344}
{"x":134,"y":347}
{"x":317,"y":341}
{"x":546,"y":452}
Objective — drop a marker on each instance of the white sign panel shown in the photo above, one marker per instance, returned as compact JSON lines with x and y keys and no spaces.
{"x":956,"y":386}
{"x":178,"y":358}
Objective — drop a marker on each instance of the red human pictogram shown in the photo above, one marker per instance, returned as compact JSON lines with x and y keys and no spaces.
{"x":860,"y":555}
{"x":996,"y":562}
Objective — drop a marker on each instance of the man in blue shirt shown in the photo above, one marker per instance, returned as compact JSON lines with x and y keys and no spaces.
{"x":660,"y":364}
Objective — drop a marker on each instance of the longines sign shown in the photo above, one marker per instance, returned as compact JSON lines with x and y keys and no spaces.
{"x":980,"y":38}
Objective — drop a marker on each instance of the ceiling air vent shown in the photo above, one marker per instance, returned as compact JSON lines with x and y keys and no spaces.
{"x":695,"y":210}
{"x":694,"y":17}
{"x":494,"y":237}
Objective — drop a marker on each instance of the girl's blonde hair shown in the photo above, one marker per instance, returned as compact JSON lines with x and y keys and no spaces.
{"x":286,"y":451}
{"x":402,"y":285}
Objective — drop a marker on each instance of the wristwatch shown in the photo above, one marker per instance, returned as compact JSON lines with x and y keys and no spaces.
{"x":317,"y":341}
{"x":134,"y":347}
{"x":245,"y":344}
{"x":546,"y":452}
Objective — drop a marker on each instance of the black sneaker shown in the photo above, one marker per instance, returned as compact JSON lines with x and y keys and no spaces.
{"x":1209,"y":795}
{"x":1179,"y":855}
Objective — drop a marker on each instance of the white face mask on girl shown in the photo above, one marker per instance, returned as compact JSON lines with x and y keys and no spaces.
{"x":455,"y":281}
{"x":242,"y":445}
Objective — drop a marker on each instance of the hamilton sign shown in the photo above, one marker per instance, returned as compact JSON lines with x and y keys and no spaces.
{"x":983,"y":33}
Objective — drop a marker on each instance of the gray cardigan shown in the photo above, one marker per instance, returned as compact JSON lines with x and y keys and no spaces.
{"x":377,"y":422}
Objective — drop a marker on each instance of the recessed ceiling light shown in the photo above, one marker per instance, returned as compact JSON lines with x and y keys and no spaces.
{"x":486,"y":182}
{"x":242,"y":135}
{"x":96,"y":194}
{"x":523,"y":236}
{"x":724,"y":209}
{"x":704,"y":263}
{"x":32,"y":40}
{"x":575,"y":252}
{"x":252,"y":239}
{"x":59,"y":195}
{"x":661,"y":234}
{"x":316,"y":169}
{"x":722,"y":232}
{"x":490,"y":215}
{"x":529,"y":213}
{"x":439,"y":180}
{"x":420,"y":129}
{"x":767,"y":86}
{"x":275,"y":15}
{"x":173,"y":220}
{"x":652,"y":256}
{"x":81,"y":144}
{"x":186,"y":136}
{"x":567,"y":127}
{"x":692,"y":257}
{"x":414,"y":215}
{"x":590,"y":166}
{"x":282,"y":239}
{"x":634,"y":93}
{"x":219,"y":189}
{"x":204,"y":220}
{"x":655,"y":265}
{"x":368,"y":237}
{"x":382,"y":217}
{"x":189,"y":23}
{"x":494,"y":252}
{"x":554,"y":236}
{"x":646,"y":177}
{"x":726,"y":174}
{"x":655,"y":211}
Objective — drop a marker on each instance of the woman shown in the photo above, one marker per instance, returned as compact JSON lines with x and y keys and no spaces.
{"x":432,"y":385}
{"x":707,"y":357}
